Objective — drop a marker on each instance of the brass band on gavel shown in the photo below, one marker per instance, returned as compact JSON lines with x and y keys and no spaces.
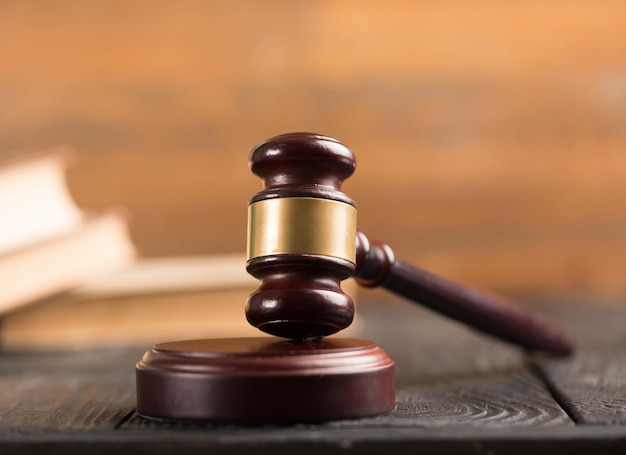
{"x":302,"y":225}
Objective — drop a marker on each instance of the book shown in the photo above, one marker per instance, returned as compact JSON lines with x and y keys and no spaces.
{"x":99,"y":244}
{"x":47,"y":243}
{"x":151,"y":301}
{"x":35,"y":201}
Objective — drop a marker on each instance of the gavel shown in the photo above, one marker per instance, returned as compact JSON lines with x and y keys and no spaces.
{"x":303,"y":241}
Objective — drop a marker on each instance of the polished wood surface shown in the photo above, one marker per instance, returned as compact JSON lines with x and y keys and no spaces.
{"x":492,"y":131}
{"x":300,"y":293}
{"x":265,"y":381}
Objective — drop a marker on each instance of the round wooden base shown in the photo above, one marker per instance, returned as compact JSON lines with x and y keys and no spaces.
{"x":265,"y":380}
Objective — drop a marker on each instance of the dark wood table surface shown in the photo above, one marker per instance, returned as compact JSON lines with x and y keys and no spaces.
{"x":457,"y":392}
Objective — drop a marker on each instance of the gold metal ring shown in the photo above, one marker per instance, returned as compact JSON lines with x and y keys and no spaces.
{"x":302,"y":225}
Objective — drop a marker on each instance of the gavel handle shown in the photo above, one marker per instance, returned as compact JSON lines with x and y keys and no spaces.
{"x":487,"y":312}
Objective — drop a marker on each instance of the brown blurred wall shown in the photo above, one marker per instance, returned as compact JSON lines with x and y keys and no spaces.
{"x":490,"y":135}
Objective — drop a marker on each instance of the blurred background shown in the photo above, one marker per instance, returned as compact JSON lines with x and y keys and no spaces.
{"x":490,"y":136}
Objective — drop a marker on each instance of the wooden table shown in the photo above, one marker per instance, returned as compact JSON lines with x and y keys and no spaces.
{"x":457,"y":392}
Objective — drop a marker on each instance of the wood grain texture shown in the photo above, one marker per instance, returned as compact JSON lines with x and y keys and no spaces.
{"x":489,"y":137}
{"x":591,"y":386}
{"x":64,"y":402}
{"x":458,"y":393}
{"x":446,"y":377}
{"x":65,"y":392}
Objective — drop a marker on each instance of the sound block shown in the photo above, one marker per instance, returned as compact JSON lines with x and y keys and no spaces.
{"x":265,"y":380}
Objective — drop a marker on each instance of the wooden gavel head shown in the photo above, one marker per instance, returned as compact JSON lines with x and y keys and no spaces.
{"x":301,"y":237}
